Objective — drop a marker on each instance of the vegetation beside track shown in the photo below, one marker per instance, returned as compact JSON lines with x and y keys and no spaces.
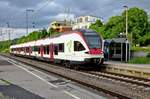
{"x":145,"y":49}
{"x":140,"y":60}
{"x":35,"y":35}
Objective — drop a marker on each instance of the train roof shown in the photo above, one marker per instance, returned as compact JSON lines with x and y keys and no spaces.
{"x":54,"y":36}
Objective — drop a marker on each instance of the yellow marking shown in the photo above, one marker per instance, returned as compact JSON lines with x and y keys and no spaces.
{"x":4,"y":82}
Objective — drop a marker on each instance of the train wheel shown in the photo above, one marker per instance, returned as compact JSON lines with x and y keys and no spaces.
{"x":102,"y":61}
{"x":66,"y":64}
{"x":76,"y":67}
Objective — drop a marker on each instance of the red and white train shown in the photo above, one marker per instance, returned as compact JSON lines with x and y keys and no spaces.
{"x":75,"y":47}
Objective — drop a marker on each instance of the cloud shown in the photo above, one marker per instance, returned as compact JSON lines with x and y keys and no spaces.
{"x":22,"y":3}
{"x":63,"y":16}
{"x":49,"y":10}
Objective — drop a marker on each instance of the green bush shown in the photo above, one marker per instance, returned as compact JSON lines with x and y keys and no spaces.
{"x":145,"y":49}
{"x":140,"y":60}
{"x":148,"y":55}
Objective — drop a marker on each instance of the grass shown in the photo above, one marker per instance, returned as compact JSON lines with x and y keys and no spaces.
{"x":145,"y":49}
{"x":140,"y":60}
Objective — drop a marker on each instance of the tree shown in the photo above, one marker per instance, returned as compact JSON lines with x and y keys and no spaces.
{"x":96,"y":25}
{"x":52,"y":31}
{"x":114,"y":26}
{"x":137,"y":23}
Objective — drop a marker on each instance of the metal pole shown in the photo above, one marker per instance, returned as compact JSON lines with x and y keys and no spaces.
{"x":129,"y":50}
{"x":1,"y":34}
{"x":0,"y":31}
{"x":8,"y":30}
{"x":126,"y":10}
{"x":126,"y":51}
{"x":27,"y":23}
{"x":121,"y":52}
{"x":126,"y":22}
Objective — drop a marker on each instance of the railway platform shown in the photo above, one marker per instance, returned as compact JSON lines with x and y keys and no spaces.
{"x":19,"y":81}
{"x":137,"y":70}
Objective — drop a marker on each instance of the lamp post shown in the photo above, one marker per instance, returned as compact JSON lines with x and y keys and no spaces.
{"x":27,"y":25}
{"x":8,"y":30}
{"x":126,"y":10}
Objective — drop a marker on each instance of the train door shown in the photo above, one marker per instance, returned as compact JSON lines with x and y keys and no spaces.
{"x":41,"y":50}
{"x":30,"y":50}
{"x":51,"y":52}
{"x":25,"y":50}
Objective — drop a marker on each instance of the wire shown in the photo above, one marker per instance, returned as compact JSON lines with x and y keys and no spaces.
{"x":47,"y":2}
{"x":19,"y":15}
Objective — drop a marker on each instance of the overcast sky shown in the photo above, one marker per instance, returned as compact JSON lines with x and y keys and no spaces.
{"x":45,"y":11}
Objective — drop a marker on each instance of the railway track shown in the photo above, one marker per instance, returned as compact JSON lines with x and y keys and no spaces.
{"x":127,"y":79}
{"x":94,"y":79}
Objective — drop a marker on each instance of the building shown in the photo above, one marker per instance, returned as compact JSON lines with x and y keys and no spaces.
{"x":60,"y":26}
{"x":84,"y":22}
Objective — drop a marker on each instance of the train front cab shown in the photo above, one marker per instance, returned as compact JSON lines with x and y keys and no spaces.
{"x":90,"y":50}
{"x":95,"y":45}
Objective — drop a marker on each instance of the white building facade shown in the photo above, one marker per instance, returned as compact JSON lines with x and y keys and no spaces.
{"x":84,"y":22}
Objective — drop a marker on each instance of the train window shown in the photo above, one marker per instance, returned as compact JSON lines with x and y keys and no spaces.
{"x":44,"y":49}
{"x":27,"y":49}
{"x":61,"y":47}
{"x":38,"y":50}
{"x":32,"y":48}
{"x":47,"y":49}
{"x":93,"y":39}
{"x":56,"y":50}
{"x":21,"y":49}
{"x":35,"y":48}
{"x":78,"y":46}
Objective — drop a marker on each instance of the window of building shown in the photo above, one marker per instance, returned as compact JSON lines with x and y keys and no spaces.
{"x":80,"y":19}
{"x":58,"y":24}
{"x":61,"y":47}
{"x":86,"y":19}
{"x":78,"y":46}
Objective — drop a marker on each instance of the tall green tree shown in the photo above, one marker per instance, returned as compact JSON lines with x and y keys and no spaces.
{"x":138,"y":26}
{"x":96,"y":25}
{"x":99,"y":27}
{"x":114,"y":26}
{"x":137,"y":23}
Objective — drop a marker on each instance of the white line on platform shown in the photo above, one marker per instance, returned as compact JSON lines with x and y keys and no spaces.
{"x":33,"y":74}
{"x":68,"y":93}
{"x":14,"y":63}
{"x":31,"y":67}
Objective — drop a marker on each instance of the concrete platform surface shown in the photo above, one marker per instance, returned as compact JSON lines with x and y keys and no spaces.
{"x":126,"y":64}
{"x":19,"y":81}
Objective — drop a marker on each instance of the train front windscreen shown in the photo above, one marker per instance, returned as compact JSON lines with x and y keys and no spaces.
{"x":93,"y":40}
